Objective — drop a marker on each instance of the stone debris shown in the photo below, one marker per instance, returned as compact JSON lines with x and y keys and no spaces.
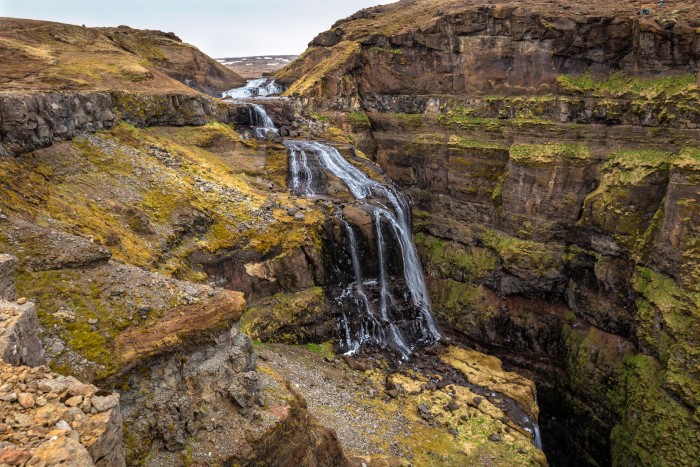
{"x":46,"y":417}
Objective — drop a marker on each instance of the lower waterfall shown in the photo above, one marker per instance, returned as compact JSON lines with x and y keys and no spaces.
{"x":388,"y":311}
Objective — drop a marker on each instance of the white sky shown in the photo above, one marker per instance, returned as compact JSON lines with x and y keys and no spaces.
{"x":220,"y":28}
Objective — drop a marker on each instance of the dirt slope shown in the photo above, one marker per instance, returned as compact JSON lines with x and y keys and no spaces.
{"x":41,"y":55}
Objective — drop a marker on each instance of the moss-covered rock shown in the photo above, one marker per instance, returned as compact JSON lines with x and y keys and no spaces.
{"x":656,"y":429}
{"x":297,"y":318}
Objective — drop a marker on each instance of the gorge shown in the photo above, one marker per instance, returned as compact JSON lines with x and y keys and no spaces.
{"x":466,"y":233}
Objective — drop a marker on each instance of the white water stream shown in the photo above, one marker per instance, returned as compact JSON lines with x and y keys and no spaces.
{"x":391,"y":222}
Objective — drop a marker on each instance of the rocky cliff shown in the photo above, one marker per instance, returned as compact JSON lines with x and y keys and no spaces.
{"x":551,"y":154}
{"x":445,"y":47}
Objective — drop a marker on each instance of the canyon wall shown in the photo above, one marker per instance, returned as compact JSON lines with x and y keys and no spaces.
{"x":552,"y":156}
{"x":444,"y":47}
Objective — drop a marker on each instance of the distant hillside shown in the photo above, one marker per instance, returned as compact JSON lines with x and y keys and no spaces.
{"x":43,"y":55}
{"x":254,"y":66}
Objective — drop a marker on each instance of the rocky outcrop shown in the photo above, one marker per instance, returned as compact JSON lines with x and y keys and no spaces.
{"x":48,"y":419}
{"x":19,"y":341}
{"x":300,"y":440}
{"x":19,"y":338}
{"x":175,"y":328}
{"x":8,"y":263}
{"x":29,"y":121}
{"x":258,"y":417}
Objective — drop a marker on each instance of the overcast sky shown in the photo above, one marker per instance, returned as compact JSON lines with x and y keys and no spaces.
{"x":220,"y":28}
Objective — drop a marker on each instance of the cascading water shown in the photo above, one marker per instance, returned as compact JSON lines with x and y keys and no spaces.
{"x":260,"y":121}
{"x":534,"y":429}
{"x":386,"y":324}
{"x":260,"y":87}
{"x":257,"y":115}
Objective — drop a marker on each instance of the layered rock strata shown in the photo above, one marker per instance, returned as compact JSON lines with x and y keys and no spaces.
{"x":551,"y":154}
{"x":29,"y":121}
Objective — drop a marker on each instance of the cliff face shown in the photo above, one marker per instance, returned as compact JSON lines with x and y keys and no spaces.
{"x":446,"y":47}
{"x":41,"y":55}
{"x":551,"y":154}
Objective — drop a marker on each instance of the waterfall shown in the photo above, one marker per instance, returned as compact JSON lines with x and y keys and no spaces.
{"x":260,"y":121}
{"x":260,"y":87}
{"x":386,"y":326}
{"x":534,"y":431}
{"x":537,"y":438}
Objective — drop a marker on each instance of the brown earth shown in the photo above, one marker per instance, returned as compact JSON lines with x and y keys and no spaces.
{"x":41,"y":55}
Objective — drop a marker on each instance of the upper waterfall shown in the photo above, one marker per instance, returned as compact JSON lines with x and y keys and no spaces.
{"x":260,"y":87}
{"x":384,"y":323}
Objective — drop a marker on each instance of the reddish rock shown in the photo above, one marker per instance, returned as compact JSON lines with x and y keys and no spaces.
{"x":26,"y":400}
{"x":12,"y":456}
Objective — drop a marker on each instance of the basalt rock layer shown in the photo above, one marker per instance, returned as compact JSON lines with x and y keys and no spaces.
{"x":551,"y":155}
{"x":421,"y":47}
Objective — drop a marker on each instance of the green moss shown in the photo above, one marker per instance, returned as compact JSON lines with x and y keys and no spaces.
{"x":320,"y":117}
{"x":359,"y":119}
{"x":325,"y":350}
{"x":655,"y":430}
{"x":452,"y":260}
{"x":526,"y":256}
{"x":469,"y":118}
{"x":421,"y":220}
{"x":428,"y":139}
{"x":460,"y":142}
{"x":409,"y":120}
{"x":595,"y":367}
{"x":539,"y":155}
{"x":461,"y":306}
{"x":283,"y":318}
{"x":620,"y":205}
{"x":620,"y":84}
{"x":667,"y":323}
{"x":80,"y":295}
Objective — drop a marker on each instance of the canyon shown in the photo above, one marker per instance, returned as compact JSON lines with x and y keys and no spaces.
{"x":466,"y":235}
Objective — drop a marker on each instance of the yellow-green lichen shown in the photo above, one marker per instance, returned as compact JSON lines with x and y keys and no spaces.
{"x":546,"y":154}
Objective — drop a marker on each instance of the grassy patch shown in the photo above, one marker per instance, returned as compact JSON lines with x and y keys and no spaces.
{"x":359,"y":119}
{"x":546,"y":154}
{"x":459,"y":142}
{"x":334,"y":62}
{"x":619,"y":84}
